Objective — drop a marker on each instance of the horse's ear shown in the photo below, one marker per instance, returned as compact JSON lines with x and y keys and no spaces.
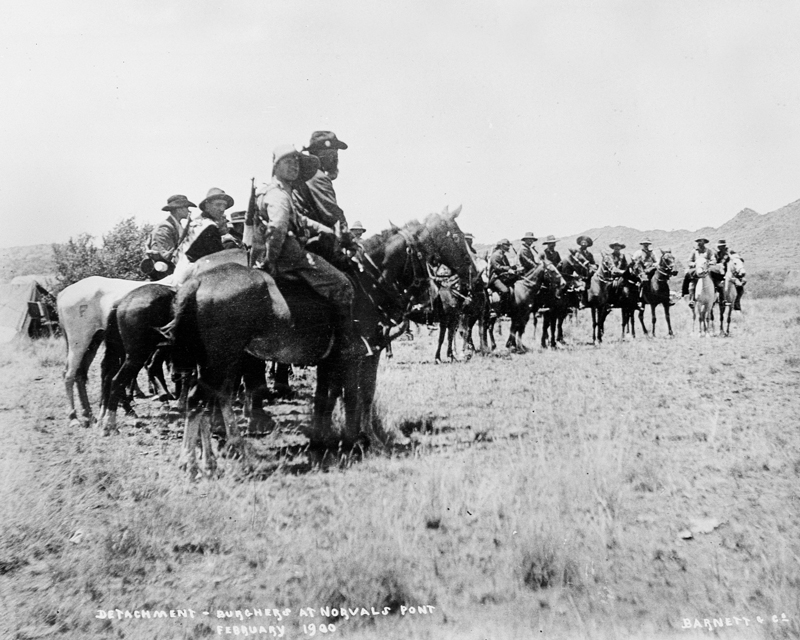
{"x":573,"y":251}
{"x":393,"y":226}
{"x":445,"y":211}
{"x":454,"y":214}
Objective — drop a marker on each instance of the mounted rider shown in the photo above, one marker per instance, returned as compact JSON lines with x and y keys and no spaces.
{"x":501,"y":274}
{"x":723,"y":257}
{"x":619,"y":263}
{"x":165,"y":238}
{"x":527,"y":257}
{"x":583,"y":254}
{"x":549,"y":252}
{"x":644,"y":263}
{"x":584,"y":242}
{"x":206,"y":231}
{"x":279,"y":241}
{"x":313,"y":194}
{"x":689,"y":280}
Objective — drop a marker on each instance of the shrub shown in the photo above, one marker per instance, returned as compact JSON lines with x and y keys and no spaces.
{"x":118,"y":256}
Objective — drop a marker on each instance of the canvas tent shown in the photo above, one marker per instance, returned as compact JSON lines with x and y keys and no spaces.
{"x":23,"y":311}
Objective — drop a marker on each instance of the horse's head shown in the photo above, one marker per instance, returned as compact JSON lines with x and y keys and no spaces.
{"x":736,"y":266}
{"x":606,"y":267}
{"x":553,"y":280}
{"x":445,"y":243}
{"x":702,"y":266}
{"x":666,"y":263}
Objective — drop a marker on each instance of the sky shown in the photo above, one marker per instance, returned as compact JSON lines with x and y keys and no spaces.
{"x":551,"y":117}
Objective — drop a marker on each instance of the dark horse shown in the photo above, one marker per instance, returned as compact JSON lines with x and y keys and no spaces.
{"x":656,"y":291}
{"x":133,"y":337}
{"x":624,"y":296}
{"x":597,"y":298}
{"x":232,"y":309}
{"x":476,"y":310}
{"x":526,"y":299}
{"x":556,"y":302}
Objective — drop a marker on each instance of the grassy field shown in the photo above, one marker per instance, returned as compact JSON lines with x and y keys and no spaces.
{"x":633,"y":490}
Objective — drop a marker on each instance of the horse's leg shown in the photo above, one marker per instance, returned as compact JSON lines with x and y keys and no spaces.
{"x":594,"y":325}
{"x":667,"y":318}
{"x":653,"y":318}
{"x":82,"y":378}
{"x":329,"y":385}
{"x":155,"y":371}
{"x":442,"y":330}
{"x":641,"y":320}
{"x":127,"y":372}
{"x":451,"y":335}
{"x":254,"y":373}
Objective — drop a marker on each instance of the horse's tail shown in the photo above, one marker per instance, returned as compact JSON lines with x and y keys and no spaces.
{"x":183,"y":329}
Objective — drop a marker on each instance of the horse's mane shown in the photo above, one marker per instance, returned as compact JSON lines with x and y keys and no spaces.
{"x":378,"y":242}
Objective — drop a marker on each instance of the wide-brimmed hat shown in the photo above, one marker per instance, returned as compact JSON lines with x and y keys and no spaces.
{"x":646,"y":241}
{"x":216,"y":194}
{"x":549,"y":240}
{"x":616,"y":243}
{"x":324,"y":140}
{"x":283,"y":150}
{"x":504,"y":242}
{"x":237,"y":217}
{"x":529,"y":236}
{"x":357,"y":226}
{"x":701,"y":239}
{"x":722,"y":243}
{"x":581,"y":239}
{"x":176,"y":202}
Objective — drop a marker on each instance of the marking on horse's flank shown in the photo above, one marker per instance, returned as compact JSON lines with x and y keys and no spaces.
{"x":82,"y":309}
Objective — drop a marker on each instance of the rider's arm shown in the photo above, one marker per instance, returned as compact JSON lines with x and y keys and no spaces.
{"x":277,"y":205}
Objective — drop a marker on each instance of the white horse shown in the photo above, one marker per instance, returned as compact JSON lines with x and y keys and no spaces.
{"x":705,"y":295}
{"x":83,"y":310}
{"x":734,"y":275}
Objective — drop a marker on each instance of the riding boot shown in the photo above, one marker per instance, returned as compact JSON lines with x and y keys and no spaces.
{"x":737,"y":305}
{"x":351,"y":344}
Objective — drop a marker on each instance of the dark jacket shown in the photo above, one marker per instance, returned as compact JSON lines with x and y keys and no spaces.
{"x":316,"y":200}
{"x":499,"y":267}
{"x":527,"y":258}
{"x":552,"y":255}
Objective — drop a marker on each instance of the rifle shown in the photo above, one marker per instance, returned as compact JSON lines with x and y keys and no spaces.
{"x":249,"y":222}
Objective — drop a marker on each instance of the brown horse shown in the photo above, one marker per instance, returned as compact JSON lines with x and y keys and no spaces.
{"x":527,"y":298}
{"x":598,"y":295}
{"x":656,"y":291}
{"x":232,"y":309}
{"x":576,"y":271}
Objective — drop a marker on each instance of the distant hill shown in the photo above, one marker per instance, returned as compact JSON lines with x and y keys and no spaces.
{"x":769,"y":244}
{"x":23,"y":261}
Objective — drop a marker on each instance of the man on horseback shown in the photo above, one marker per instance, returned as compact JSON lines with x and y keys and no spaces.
{"x":166,"y":237}
{"x":313,"y":194}
{"x":723,"y":256}
{"x":620,"y":267}
{"x":501,"y":274}
{"x":206,"y":231}
{"x":549,"y":252}
{"x":527,"y":257}
{"x":644,"y":263}
{"x":283,"y":254}
{"x":690,"y":278}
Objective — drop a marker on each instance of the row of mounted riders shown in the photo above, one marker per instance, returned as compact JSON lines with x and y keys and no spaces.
{"x":553,"y":291}
{"x":227,"y":319}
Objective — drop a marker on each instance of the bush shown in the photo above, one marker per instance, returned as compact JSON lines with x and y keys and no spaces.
{"x":118,"y":256}
{"x":770,"y":284}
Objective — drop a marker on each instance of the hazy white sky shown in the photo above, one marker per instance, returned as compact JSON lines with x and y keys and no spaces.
{"x":552,"y":117}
